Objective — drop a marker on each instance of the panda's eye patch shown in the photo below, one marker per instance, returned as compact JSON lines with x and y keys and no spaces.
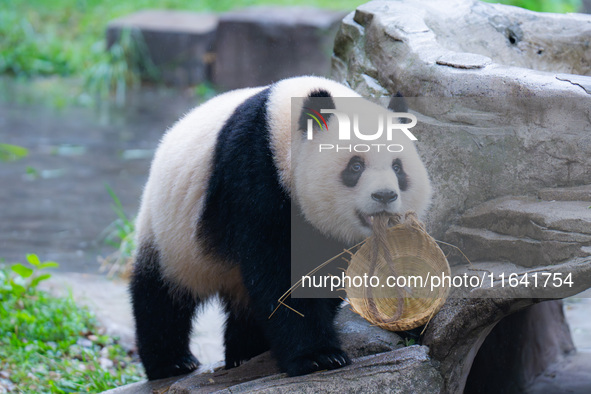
{"x":351,"y":174}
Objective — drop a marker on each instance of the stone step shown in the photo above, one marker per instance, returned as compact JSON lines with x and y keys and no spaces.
{"x":259,"y":45}
{"x":179,"y":43}
{"x":577,"y":193}
{"x":486,"y":245}
{"x":562,"y":221}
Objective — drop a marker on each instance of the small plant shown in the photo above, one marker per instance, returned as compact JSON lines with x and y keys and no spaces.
{"x":50,"y":344}
{"x":12,"y":152}
{"x":29,"y":277}
{"x":407,"y":342}
{"x":120,"y":235}
{"x":120,"y":67}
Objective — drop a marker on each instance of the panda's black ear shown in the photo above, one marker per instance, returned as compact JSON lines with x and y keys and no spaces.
{"x":316,"y":101}
{"x":398,"y":104}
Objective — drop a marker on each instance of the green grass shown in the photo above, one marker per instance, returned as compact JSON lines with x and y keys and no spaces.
{"x":52,"y":345}
{"x":560,"y":6}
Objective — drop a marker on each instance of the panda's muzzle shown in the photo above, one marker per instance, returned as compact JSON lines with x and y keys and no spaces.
{"x":367,"y":219}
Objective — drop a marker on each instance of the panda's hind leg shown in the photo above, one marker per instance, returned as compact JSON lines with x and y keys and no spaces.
{"x":243,"y":337}
{"x":163,"y":318}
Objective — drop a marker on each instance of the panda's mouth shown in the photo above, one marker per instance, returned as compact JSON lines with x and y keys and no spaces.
{"x":367,"y":219}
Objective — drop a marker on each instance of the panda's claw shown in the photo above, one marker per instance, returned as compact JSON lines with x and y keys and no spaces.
{"x":184,"y":364}
{"x":327,"y":359}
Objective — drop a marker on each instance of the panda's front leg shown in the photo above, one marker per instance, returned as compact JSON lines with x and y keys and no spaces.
{"x":310,"y":343}
{"x":244,"y":337}
{"x":301,"y":345}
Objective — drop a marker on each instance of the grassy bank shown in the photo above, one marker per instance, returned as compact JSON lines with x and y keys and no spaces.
{"x":52,"y":345}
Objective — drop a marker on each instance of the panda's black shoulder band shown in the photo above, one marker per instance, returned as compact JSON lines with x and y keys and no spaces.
{"x":244,"y":195}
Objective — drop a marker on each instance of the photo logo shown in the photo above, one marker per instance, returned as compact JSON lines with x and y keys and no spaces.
{"x":391,"y":123}
{"x":315,"y":116}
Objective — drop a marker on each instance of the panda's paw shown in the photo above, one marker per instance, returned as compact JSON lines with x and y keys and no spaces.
{"x":320,"y":360}
{"x":239,"y":352}
{"x":182,"y":365}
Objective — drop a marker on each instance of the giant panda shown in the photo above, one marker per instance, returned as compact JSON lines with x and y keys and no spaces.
{"x":215,"y":220}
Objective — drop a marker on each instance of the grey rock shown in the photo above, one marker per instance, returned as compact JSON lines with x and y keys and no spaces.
{"x":541,"y":286}
{"x":179,"y":43}
{"x":480,"y":244}
{"x":531,"y":218}
{"x":455,"y":336}
{"x":156,"y":387}
{"x":359,"y":338}
{"x":407,"y":370}
{"x":259,"y":45}
{"x":582,"y":81}
{"x":579,"y":193}
{"x":496,"y":114}
{"x":565,"y":216}
{"x":525,"y":231}
{"x":541,"y":337}
{"x":569,"y":376}
{"x":463,"y":60}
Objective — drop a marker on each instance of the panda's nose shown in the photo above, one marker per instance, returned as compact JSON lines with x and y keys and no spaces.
{"x":385,"y":196}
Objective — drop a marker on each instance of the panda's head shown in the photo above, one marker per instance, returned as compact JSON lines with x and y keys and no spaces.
{"x":341,"y":189}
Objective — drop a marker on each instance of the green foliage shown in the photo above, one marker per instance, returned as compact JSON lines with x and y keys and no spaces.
{"x":26,"y":51}
{"x":12,"y":152}
{"x":561,"y":6}
{"x":120,"y":67}
{"x":123,"y":228}
{"x":407,"y":342}
{"x":50,"y":344}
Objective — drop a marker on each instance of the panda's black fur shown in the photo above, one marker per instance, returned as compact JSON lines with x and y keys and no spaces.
{"x":163,"y":317}
{"x":245,"y":221}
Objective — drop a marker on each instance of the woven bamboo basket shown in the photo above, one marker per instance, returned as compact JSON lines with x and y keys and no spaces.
{"x":403,"y":251}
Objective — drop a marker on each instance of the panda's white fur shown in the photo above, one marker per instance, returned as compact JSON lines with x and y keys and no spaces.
{"x":174,"y":201}
{"x":178,"y":181}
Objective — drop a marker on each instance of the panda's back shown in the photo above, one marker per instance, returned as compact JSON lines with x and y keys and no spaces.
{"x":175,"y":192}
